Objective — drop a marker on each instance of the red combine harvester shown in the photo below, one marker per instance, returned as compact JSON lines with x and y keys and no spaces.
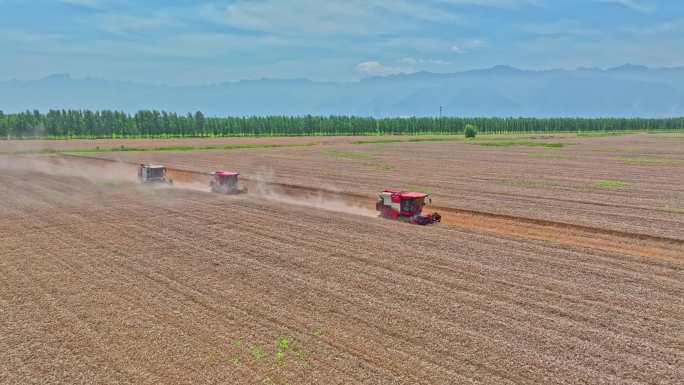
{"x":226,"y":182}
{"x":405,"y":206}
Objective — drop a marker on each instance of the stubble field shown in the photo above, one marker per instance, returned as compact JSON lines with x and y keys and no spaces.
{"x":553,"y":265}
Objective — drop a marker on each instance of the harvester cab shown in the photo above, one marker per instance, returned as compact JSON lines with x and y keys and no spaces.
{"x":152,"y":173}
{"x":226,"y":182}
{"x":405,"y":206}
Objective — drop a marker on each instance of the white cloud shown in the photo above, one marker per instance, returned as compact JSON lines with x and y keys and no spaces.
{"x":84,"y":3}
{"x":352,"y":37}
{"x":416,"y":44}
{"x":312,"y":17}
{"x":667,"y":27}
{"x":30,"y":40}
{"x":178,"y":46}
{"x":374,"y":68}
{"x":405,"y":65}
{"x":636,"y":5}
{"x":552,"y":51}
{"x":121,"y":24}
{"x":432,"y":46}
{"x":419,"y":61}
{"x":673,"y":28}
{"x":561,"y":27}
{"x":495,"y":3}
{"x":468,"y":45}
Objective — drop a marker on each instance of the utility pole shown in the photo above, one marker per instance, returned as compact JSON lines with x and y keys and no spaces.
{"x":440,"y":119}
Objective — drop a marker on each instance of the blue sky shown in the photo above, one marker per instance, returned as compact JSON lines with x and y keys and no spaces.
{"x":198,"y":42}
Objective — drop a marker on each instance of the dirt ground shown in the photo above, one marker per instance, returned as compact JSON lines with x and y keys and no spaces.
{"x":628,"y":183}
{"x":76,"y":144}
{"x":105,"y":281}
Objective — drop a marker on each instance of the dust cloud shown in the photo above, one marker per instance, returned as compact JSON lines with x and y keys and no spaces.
{"x":264,"y":186}
{"x":101,"y":172}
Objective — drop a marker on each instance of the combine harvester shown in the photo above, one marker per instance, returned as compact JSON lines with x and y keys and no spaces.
{"x":226,"y":182}
{"x":405,"y":207}
{"x":152,"y":173}
{"x":391,"y":204}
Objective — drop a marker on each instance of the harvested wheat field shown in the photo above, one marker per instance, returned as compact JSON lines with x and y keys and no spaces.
{"x":33,"y":145}
{"x":575,"y":278}
{"x":629,"y":183}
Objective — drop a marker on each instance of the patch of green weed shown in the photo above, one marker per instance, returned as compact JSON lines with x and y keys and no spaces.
{"x":526,"y":183}
{"x":509,"y":143}
{"x":349,"y":154}
{"x":379,"y":166}
{"x":596,"y":134}
{"x":380,"y":141}
{"x":257,"y":352}
{"x":360,"y":156}
{"x":284,"y":350}
{"x":109,"y":184}
{"x":283,"y":343}
{"x":548,"y":155}
{"x":605,"y":149}
{"x":444,"y":139}
{"x":668,"y":134}
{"x":418,"y":188}
{"x":179,"y":148}
{"x":611,"y":184}
{"x":448,"y":138}
{"x":650,"y":161}
{"x":299,"y":353}
{"x":201,"y":148}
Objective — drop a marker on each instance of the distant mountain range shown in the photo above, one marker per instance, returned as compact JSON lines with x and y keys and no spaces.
{"x":625,"y":91}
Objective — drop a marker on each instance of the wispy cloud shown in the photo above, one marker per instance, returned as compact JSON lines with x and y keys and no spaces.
{"x":609,"y":51}
{"x":420,"y":61}
{"x":177,"y":46}
{"x":466,"y":46}
{"x":404,"y":65}
{"x":496,"y":3}
{"x":636,"y":5}
{"x":332,"y":40}
{"x":433,"y":46}
{"x":96,"y":4}
{"x":674,"y":27}
{"x":668,"y":27}
{"x":374,"y":68}
{"x":122,"y":24}
{"x":299,"y":17}
{"x":561,"y":27}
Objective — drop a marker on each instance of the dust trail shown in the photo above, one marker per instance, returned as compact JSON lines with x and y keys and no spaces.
{"x":65,"y":167}
{"x":265,"y":187}
{"x":263,"y":184}
{"x":194,"y":186}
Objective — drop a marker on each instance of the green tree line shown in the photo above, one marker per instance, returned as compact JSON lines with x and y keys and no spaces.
{"x":160,"y":124}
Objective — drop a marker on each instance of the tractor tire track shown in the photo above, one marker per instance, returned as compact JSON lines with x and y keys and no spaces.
{"x":660,"y":246}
